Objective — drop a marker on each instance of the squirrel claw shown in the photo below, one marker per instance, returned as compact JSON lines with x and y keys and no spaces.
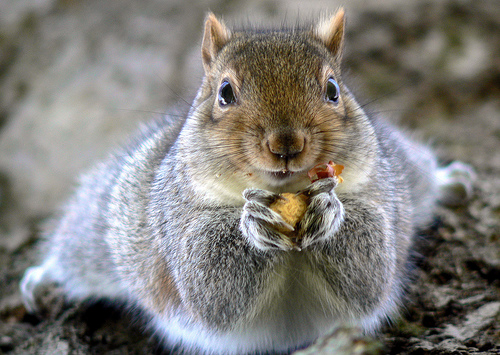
{"x":320,"y":186}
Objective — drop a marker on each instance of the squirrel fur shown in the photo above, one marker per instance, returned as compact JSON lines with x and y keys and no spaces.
{"x":178,"y":223}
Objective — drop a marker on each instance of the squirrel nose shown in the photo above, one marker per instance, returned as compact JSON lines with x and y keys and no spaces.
{"x":286,"y":145}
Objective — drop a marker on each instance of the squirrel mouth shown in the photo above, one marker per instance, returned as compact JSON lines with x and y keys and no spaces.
{"x":282,"y":174}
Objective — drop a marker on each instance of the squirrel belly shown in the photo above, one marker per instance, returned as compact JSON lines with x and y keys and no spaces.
{"x":179,"y":224}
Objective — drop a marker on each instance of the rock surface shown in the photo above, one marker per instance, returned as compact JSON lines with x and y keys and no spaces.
{"x":77,"y":77}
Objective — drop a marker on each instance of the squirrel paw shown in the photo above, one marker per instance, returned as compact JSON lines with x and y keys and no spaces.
{"x":456,"y":183}
{"x":31,"y":286}
{"x":260,"y":224}
{"x":324,"y":214}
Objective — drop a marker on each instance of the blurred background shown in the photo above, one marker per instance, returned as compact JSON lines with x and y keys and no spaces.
{"x":77,"y":77}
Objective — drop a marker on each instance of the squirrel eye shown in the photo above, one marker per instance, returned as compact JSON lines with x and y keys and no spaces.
{"x":332,"y":91}
{"x":226,"y":94}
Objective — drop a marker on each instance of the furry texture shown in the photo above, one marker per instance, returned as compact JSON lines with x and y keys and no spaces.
{"x":179,"y":223}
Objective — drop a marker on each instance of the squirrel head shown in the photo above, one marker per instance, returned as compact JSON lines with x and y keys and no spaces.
{"x":273,"y":105}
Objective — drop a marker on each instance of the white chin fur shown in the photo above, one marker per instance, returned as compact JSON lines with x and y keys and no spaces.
{"x":230,"y":189}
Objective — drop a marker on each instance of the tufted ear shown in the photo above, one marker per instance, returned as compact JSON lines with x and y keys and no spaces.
{"x":215,"y":37}
{"x":331,"y":32}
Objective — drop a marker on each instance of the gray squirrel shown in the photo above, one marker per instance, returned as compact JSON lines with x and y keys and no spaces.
{"x":178,"y":223}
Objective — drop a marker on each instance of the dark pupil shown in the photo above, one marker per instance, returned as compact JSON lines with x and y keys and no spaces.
{"x":226,"y":95}
{"x":332,"y":90}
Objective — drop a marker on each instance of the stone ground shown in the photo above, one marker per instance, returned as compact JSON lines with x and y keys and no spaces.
{"x":77,"y":77}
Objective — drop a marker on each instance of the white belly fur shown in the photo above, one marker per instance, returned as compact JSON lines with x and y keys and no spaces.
{"x":295,"y":309}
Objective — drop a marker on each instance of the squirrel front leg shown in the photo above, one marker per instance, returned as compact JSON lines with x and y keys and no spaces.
{"x":324,"y":215}
{"x":220,"y":274}
{"x":363,"y":262}
{"x":353,"y":246}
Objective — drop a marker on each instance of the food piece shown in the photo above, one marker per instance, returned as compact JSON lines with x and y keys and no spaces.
{"x":323,"y":171}
{"x":291,"y":207}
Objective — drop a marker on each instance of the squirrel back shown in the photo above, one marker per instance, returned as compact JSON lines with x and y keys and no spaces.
{"x":180,"y":224}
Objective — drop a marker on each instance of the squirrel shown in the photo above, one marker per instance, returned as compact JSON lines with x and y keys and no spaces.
{"x":178,"y":224}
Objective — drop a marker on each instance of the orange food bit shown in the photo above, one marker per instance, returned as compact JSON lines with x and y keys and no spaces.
{"x":323,"y":171}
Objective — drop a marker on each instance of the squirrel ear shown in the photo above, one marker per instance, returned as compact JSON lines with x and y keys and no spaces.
{"x":215,"y":37}
{"x":331,"y":32}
